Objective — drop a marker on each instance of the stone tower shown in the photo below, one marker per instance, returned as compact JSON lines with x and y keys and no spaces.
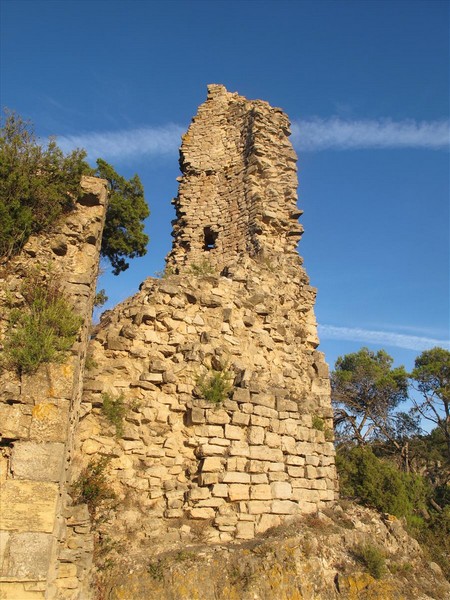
{"x":237,"y":195}
{"x":235,"y":305}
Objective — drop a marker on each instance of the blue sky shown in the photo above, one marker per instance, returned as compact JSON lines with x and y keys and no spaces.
{"x":365,"y":84}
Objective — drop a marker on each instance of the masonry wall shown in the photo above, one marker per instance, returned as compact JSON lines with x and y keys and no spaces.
{"x":38,"y":412}
{"x":238,"y":192}
{"x":182,"y":468}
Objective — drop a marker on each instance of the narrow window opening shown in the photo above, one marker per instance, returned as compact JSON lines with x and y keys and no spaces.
{"x":210,"y":238}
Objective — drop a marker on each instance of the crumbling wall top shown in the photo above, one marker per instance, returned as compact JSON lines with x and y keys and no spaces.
{"x":237,"y":195}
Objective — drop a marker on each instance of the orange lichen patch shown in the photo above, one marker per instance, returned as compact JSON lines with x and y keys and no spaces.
{"x":45,"y":411}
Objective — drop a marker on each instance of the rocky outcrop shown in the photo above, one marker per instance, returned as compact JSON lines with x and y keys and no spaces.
{"x":345,"y":554}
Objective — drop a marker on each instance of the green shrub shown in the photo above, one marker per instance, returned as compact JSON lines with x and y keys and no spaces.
{"x":372,"y":558}
{"x":37,"y":183}
{"x":114,"y":410}
{"x":215,"y":386}
{"x":43,"y":330}
{"x":203,"y":267}
{"x":318,"y":423}
{"x":379,"y":484}
{"x":92,"y":487}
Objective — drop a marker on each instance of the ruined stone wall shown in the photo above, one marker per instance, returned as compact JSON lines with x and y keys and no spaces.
{"x":38,"y":412}
{"x":184,"y":469}
{"x":237,"y":195}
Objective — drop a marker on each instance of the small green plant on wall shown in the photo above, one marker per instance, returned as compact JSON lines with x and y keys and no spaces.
{"x":114,"y":410}
{"x":92,"y":487}
{"x":215,"y":386}
{"x":44,"y":329}
{"x":203,"y":267}
{"x":319,"y":424}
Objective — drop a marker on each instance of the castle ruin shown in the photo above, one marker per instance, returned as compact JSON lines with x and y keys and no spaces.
{"x":234,"y":310}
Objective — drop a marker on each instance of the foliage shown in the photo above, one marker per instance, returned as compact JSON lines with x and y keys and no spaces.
{"x":92,"y":487}
{"x":372,"y":558}
{"x":114,"y":410}
{"x":123,"y":235}
{"x":434,"y":537}
{"x":215,"y":386}
{"x":100,"y":298}
{"x":366,"y":390}
{"x":37,"y":183}
{"x":379,"y":483}
{"x":203,"y":267}
{"x":44,"y":330}
{"x":318,"y":423}
{"x":431,"y":375}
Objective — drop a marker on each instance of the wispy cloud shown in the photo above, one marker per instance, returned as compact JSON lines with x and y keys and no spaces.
{"x":313,"y":134}
{"x":384,"y":338}
{"x":128,"y":143}
{"x":339,"y":134}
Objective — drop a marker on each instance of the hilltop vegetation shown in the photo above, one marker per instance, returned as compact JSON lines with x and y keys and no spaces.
{"x":384,"y":459}
{"x":38,"y":184}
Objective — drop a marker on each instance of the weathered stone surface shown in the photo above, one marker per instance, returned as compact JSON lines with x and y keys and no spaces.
{"x":28,"y":556}
{"x":28,"y":505}
{"x":39,"y":462}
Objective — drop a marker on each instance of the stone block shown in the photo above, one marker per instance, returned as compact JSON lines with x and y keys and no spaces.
{"x":50,"y":421}
{"x":208,"y":478}
{"x":295,"y":471}
{"x":264,"y":411}
{"x":310,"y":472}
{"x":266,"y":522}
{"x":232,"y":432}
{"x":237,"y":463}
{"x":239,"y":418}
{"x":303,"y":495}
{"x":261,"y":492}
{"x":203,"y":513}
{"x":262,"y":399}
{"x":245,"y":530}
{"x":37,"y":462}
{"x":258,"y":466}
{"x":264,"y":453}
{"x":196,"y":415}
{"x":258,"y":507}
{"x":273,"y":440}
{"x":28,"y":556}
{"x":237,"y":491}
{"x":241,"y":395}
{"x":15,"y":420}
{"x":256,"y":435}
{"x":259,"y":421}
{"x":281,"y":490}
{"x":211,"y":464}
{"x":212,"y":450}
{"x":235,"y":477}
{"x":312,"y":460}
{"x":288,"y":444}
{"x":199,"y":493}
{"x":217,"y":417}
{"x":28,"y":506}
{"x":284,"y":507}
{"x":209,"y":431}
{"x":239,"y":449}
{"x":10,"y":590}
{"x":220,"y":490}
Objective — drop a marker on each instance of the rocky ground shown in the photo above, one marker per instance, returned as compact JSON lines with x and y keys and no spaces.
{"x":348,"y":552}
